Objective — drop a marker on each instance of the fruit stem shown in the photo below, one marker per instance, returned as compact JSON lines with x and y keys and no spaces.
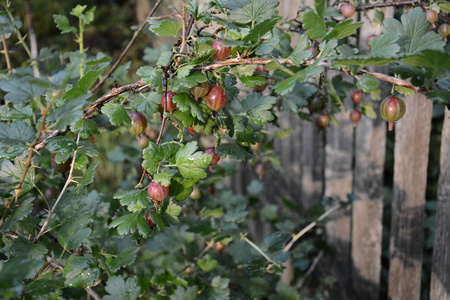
{"x":391,"y":126}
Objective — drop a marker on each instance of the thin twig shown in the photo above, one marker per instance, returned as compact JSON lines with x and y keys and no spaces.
{"x":258,"y":249}
{"x":8,"y":60}
{"x":93,"y":293}
{"x":32,"y":34}
{"x":124,"y":52}
{"x":316,"y":260}
{"x":66,"y":185}
{"x":386,"y":4}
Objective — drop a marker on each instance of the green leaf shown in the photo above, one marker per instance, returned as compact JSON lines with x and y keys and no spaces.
{"x":365,"y":61}
{"x":246,"y":11}
{"x":153,"y":155}
{"x":23,"y":90}
{"x":25,"y":208}
{"x":68,"y":113}
{"x":163,"y":178}
{"x":151,"y":76}
{"x":444,"y":6}
{"x":251,"y":81}
{"x":118,"y":289}
{"x":257,"y":32}
{"x":413,"y":32}
{"x":189,"y":293}
{"x":15,"y":113}
{"x":314,"y":24}
{"x":85,"y":128}
{"x":81,"y":271}
{"x":384,"y":45}
{"x":404,"y":90}
{"x":207,"y":264}
{"x":15,"y":138}
{"x":88,"y":80}
{"x":234,"y":151}
{"x":165,"y":28}
{"x":88,"y":176}
{"x":189,"y":81}
{"x":135,"y":200}
{"x":300,"y":52}
{"x":62,"y":23}
{"x":16,"y":269}
{"x":131,"y":223}
{"x":146,"y":103}
{"x":436,"y":60}
{"x":118,"y":116}
{"x":191,"y":164}
{"x":62,"y":146}
{"x":367,"y":110}
{"x":343,"y":29}
{"x":125,"y":258}
{"x":368,"y":83}
{"x":74,"y":231}
{"x":186,"y":104}
{"x":181,"y":188}
{"x":243,"y":70}
{"x":170,"y":212}
{"x":285,"y":86}
{"x":286,"y":292}
{"x":25,"y":248}
{"x":77,"y":11}
{"x":258,"y":108}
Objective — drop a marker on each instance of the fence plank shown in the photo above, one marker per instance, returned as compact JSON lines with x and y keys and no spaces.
{"x":412,"y":137}
{"x":367,"y":211}
{"x":440,"y":277}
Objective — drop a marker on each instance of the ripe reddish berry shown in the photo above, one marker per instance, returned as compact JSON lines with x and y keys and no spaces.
{"x":355,"y":116}
{"x":432,"y":16}
{"x":392,"y":109}
{"x":138,"y":123}
{"x":260,"y":88}
{"x":323,"y":121}
{"x":444,"y":30}
{"x":51,"y":193}
{"x":348,"y":10}
{"x":261,"y":68}
{"x":157,"y":192}
{"x":215,"y":157}
{"x":149,"y":218}
{"x":219,"y":247}
{"x":369,"y":39}
{"x":222,"y":52}
{"x":195,"y":194}
{"x":216,"y":99}
{"x":201,"y":90}
{"x":143,"y":141}
{"x":62,"y":167}
{"x":357,"y":97}
{"x":168,"y":104}
{"x":260,"y":169}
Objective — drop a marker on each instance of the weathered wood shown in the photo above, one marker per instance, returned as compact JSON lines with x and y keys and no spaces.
{"x":338,"y":183}
{"x":412,"y":137}
{"x":368,"y":207}
{"x":440,"y":276}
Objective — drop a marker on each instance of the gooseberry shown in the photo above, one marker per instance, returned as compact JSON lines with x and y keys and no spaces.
{"x":348,"y":10}
{"x":221,"y":52}
{"x":355,"y":116}
{"x":392,"y":109}
{"x":323,"y":121}
{"x":138,"y":123}
{"x":51,"y":193}
{"x":157,"y":192}
{"x":201,"y":90}
{"x":444,"y":30}
{"x":260,"y":169}
{"x":432,"y":16}
{"x":62,"y":167}
{"x":357,"y":97}
{"x":168,"y":104}
{"x":369,"y":39}
{"x":216,"y":99}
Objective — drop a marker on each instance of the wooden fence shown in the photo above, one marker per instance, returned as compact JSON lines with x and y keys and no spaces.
{"x":341,"y":161}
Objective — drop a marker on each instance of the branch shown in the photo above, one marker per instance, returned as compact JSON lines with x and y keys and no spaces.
{"x":124,"y":52}
{"x":310,"y":270}
{"x":8,"y":60}
{"x":32,"y":33}
{"x":385,"y":4}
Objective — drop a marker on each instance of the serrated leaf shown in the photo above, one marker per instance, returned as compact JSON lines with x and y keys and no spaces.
{"x":431,"y":59}
{"x":153,"y":155}
{"x":234,"y":151}
{"x":25,"y":248}
{"x":165,"y":27}
{"x":74,"y":231}
{"x":62,"y":23}
{"x":246,"y":11}
{"x":77,"y":11}
{"x":81,"y":271}
{"x":170,"y":212}
{"x":85,"y":128}
{"x":88,"y":80}
{"x":15,"y":113}
{"x":23,"y":90}
{"x":365,"y":61}
{"x":367,"y":110}
{"x":16,"y":269}
{"x":444,"y":6}
{"x":25,"y":208}
{"x":257,"y":32}
{"x":68,"y":113}
{"x":146,"y":103}
{"x":135,"y":200}
{"x":189,"y":81}
{"x":190,"y":163}
{"x":15,"y":138}
{"x":413,"y":32}
{"x":151,"y":76}
{"x":186,"y":104}
{"x":117,"y":114}
{"x":243,"y":70}
{"x":118,"y":289}
{"x":300,"y":52}
{"x":207,"y":264}
{"x":251,"y":81}
{"x":163,"y":178}
{"x":123,"y":259}
{"x":181,"y":188}
{"x":88,"y":176}
{"x":131,"y":223}
{"x":181,"y":293}
{"x":404,"y":90}
{"x":314,"y":24}
{"x":384,"y":45}
{"x":62,"y":146}
{"x":368,"y":83}
{"x":258,"y":108}
{"x":343,"y":29}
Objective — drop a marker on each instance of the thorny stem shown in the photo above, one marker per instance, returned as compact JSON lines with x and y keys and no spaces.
{"x":81,"y":46}
{"x":66,"y":185}
{"x":31,"y":152}
{"x":124,"y":52}
{"x":257,"y":249}
{"x":8,"y":60}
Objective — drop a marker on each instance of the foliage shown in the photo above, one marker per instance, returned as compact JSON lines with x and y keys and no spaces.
{"x":86,"y":238}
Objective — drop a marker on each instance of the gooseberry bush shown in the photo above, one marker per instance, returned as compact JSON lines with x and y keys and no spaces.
{"x":171,"y":228}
